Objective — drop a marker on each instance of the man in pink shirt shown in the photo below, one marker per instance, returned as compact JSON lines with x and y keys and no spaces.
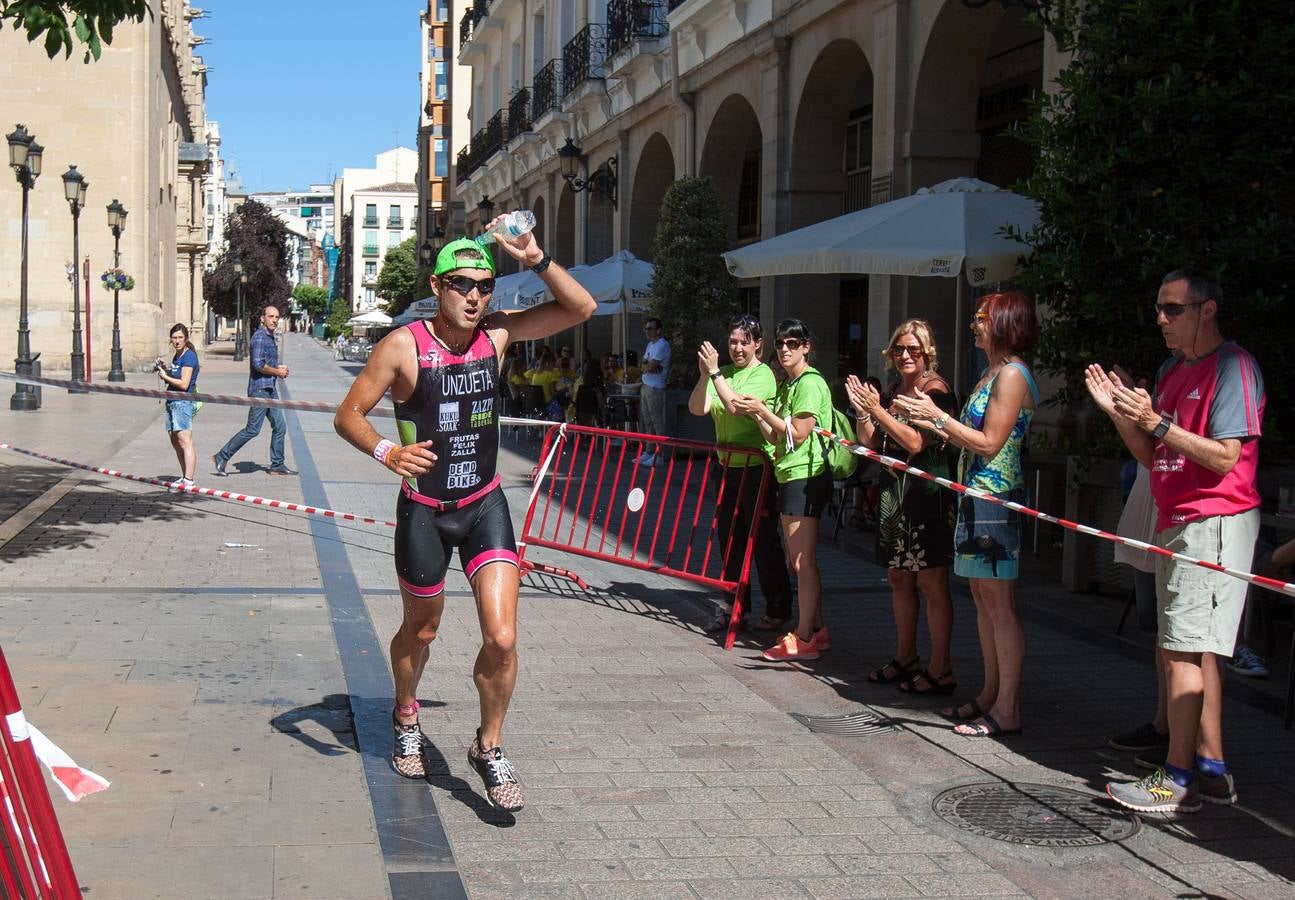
{"x":1198,"y":435}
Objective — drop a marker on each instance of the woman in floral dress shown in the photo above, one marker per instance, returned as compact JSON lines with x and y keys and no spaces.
{"x":914,"y":517}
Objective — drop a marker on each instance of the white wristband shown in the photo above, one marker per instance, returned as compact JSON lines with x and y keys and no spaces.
{"x":381,"y":451}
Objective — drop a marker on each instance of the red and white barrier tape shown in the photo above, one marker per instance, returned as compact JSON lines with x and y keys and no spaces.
{"x":225,"y":399}
{"x":899,"y":465}
{"x":205,"y":492}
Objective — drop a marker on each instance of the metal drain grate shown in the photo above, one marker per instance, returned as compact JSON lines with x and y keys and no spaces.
{"x":853,"y":724}
{"x":1039,"y":815}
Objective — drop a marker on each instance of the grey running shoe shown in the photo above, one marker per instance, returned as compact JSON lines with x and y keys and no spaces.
{"x":1218,"y":789}
{"x":407,"y":757}
{"x":502,"y":788}
{"x":1144,"y":737}
{"x":1157,"y":793}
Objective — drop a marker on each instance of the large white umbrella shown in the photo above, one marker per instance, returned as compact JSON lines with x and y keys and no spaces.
{"x":419,"y":309}
{"x":952,"y":228}
{"x":372,"y":317}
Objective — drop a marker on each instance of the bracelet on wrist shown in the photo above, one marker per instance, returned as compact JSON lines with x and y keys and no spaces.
{"x":543,"y":264}
{"x":383,"y":450}
{"x":716,"y":374}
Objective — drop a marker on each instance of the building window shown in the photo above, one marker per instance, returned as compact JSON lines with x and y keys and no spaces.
{"x":371,"y":215}
{"x":442,"y":80}
{"x":858,"y":159}
{"x":442,"y":10}
{"x":393,"y":216}
{"x":393,"y":239}
{"x":370,"y":243}
{"x":441,"y":162}
{"x":370,"y":299}
{"x":748,"y":196}
{"x":370,"y":270}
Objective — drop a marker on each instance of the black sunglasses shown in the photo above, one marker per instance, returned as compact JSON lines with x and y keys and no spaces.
{"x":1174,"y":310}
{"x":464,"y":285}
{"x":789,"y":343}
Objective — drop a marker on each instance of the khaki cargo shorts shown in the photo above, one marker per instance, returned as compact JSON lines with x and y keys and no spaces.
{"x":1198,"y":610}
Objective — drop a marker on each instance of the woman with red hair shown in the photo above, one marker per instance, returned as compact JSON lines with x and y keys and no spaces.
{"x":987,"y":537}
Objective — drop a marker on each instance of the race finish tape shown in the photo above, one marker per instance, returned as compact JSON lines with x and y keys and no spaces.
{"x":205,"y":492}
{"x":226,"y":399}
{"x":899,"y":465}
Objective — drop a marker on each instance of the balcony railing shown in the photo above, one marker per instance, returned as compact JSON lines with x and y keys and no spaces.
{"x":634,"y":20}
{"x":395,"y":222}
{"x":493,"y":134}
{"x":370,"y":249}
{"x":463,"y":165}
{"x":471,"y":16}
{"x":519,"y":113}
{"x":546,"y":89}
{"x":370,"y":221}
{"x":583,"y":57}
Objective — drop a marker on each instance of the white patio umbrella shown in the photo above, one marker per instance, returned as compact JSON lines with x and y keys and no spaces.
{"x":946,"y":230}
{"x":419,"y":309}
{"x":621,"y":283}
{"x":372,"y":317}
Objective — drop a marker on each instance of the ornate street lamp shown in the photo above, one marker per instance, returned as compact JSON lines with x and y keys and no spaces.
{"x":240,"y":280}
{"x":25,"y":158}
{"x":426,"y":253}
{"x":116,"y":224}
{"x":74,"y":189}
{"x":603,"y":180}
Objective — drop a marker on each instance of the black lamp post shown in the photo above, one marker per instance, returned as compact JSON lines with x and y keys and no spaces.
{"x":116,"y":224}
{"x":426,"y":253}
{"x":25,"y":158}
{"x":74,"y":189}
{"x":240,"y":280}
{"x":603,"y":179}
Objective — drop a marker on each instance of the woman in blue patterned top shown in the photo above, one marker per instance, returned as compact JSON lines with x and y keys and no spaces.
{"x":181,"y":377}
{"x":987,"y":537}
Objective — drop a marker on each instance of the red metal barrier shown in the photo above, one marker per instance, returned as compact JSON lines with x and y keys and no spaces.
{"x":593,"y":499}
{"x":35,"y":861}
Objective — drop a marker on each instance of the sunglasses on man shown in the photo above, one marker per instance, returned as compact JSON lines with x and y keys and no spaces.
{"x":1174,"y":310}
{"x":464,"y":285}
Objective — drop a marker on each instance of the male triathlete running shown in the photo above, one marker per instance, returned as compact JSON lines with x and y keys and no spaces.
{"x":443,"y":376}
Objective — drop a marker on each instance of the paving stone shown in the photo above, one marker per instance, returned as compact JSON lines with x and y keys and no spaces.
{"x":983,"y":885}
{"x":655,"y":890}
{"x":855,"y":886}
{"x":336,"y":871}
{"x":763,"y":889}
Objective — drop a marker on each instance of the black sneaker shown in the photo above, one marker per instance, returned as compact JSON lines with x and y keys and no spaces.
{"x":407,"y":757}
{"x":1144,"y":737}
{"x":219,"y":462}
{"x":502,"y":787}
{"x":282,"y":470}
{"x":1153,"y":758}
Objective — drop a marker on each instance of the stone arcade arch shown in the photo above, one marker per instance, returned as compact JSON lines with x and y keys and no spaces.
{"x":833,"y":121}
{"x":732,"y":156}
{"x":653,"y":176}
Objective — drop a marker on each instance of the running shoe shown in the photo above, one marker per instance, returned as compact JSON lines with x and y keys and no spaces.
{"x":502,"y":787}
{"x":407,"y":757}
{"x":1247,"y":663}
{"x":180,"y":485}
{"x":647,"y":459}
{"x":789,"y":648}
{"x":820,"y":640}
{"x":1157,"y":793}
{"x":1220,"y":789}
{"x":1152,"y":758}
{"x":1144,"y":737}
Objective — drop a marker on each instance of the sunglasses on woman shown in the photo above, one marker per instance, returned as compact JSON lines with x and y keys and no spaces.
{"x":789,"y":343}
{"x":464,"y":285}
{"x":899,"y":351}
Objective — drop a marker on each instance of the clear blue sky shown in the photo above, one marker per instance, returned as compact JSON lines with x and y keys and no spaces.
{"x":305,"y":88}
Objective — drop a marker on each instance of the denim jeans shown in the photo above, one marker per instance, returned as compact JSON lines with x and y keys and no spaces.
{"x":255,"y":418}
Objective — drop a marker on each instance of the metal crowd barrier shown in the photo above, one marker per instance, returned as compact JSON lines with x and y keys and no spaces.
{"x":593,"y":499}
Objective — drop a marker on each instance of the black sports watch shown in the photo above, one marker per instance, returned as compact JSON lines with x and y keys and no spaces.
{"x":543,"y":264}
{"x":1162,"y":429}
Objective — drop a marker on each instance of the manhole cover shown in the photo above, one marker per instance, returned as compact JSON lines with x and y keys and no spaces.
{"x":853,"y":724}
{"x":1039,"y":815}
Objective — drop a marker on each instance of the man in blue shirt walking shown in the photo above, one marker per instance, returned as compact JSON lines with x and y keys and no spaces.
{"x":265,"y":369}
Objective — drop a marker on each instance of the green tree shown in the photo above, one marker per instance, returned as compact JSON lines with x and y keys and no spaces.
{"x":692,"y":289}
{"x":314,"y":300}
{"x":1170,"y":143}
{"x":259,"y":242}
{"x":337,"y":319}
{"x":92,"y":21}
{"x":401,"y":280}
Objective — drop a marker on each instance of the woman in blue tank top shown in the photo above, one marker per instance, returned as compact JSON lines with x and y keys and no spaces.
{"x":987,"y":537}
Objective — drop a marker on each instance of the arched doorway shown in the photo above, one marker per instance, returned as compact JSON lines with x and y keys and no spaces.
{"x":732,"y":156}
{"x":652,"y":178}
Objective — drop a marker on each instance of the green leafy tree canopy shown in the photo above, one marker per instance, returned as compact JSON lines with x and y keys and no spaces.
{"x":1169,"y":143}
{"x":692,"y":289}
{"x":314,"y":300}
{"x":259,"y":241}
{"x":401,"y":280}
{"x":92,"y":21}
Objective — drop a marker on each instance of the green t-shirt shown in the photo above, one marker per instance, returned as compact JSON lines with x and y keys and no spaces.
{"x":756,"y":381}
{"x":807,"y":394}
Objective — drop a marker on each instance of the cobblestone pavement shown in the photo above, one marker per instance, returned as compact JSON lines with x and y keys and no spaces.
{"x":216,"y":662}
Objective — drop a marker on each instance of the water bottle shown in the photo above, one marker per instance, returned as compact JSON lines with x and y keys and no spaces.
{"x":513,"y":224}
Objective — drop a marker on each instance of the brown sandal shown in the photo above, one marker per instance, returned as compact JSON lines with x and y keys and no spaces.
{"x":934,"y":685}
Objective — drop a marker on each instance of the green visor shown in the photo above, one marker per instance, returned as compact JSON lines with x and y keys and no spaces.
{"x":449,"y":259}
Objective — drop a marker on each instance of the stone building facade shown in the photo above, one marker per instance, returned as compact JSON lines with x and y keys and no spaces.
{"x":800,"y":110}
{"x":134,"y":125}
